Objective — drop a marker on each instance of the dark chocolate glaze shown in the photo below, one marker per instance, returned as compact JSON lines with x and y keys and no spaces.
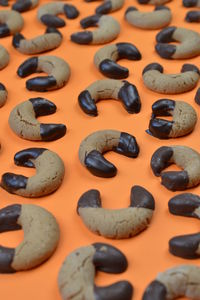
{"x":143,"y":1}
{"x":175,"y":180}
{"x":52,"y":132}
{"x":52,"y":21}
{"x":23,"y":158}
{"x":140,"y":197}
{"x":189,"y":3}
{"x":160,"y":159}
{"x":128,"y":51}
{"x":2,"y":87}
{"x":99,"y":166}
{"x":161,"y":7}
{"x":12,"y":182}
{"x":193,"y":16}
{"x":116,"y":291}
{"x":197,"y":96}
{"x":109,"y":259}
{"x":8,"y":218}
{"x":155,"y":291}
{"x":16,"y":40}
{"x":70,"y":11}
{"x":130,"y":98}
{"x":127,"y":145}
{"x":4,"y":30}
{"x":185,"y":246}
{"x":6,"y":259}
{"x":130,"y":8}
{"x":165,"y":50}
{"x":90,"y":21}
{"x":82,"y":38}
{"x":22,"y":5}
{"x":87,"y":104}
{"x":104,"y":8}
{"x":190,"y":68}
{"x":28,"y":67}
{"x":111,"y":69}
{"x":160,"y":128}
{"x":42,"y":106}
{"x":163,"y":107}
{"x":53,"y":30}
{"x":184,"y":205}
{"x":4,"y":2}
{"x":91,"y":198}
{"x":153,"y":66}
{"x":166,"y":35}
{"x":41,"y":83}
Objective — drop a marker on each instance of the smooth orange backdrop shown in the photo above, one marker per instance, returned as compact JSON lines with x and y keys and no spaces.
{"x":147,"y":253}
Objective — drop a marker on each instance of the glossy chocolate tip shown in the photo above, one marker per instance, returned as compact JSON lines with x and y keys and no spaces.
{"x":87,"y":104}
{"x":165,"y":51}
{"x":16,"y":40}
{"x":109,"y":259}
{"x":12,"y":182}
{"x":128,"y":51}
{"x":160,"y":128}
{"x":28,"y":67}
{"x":190,"y":68}
{"x":165,"y":35}
{"x":104,"y":8}
{"x":153,"y":66}
{"x":197,"y":96}
{"x":6,"y":259}
{"x":116,"y":291}
{"x":111,"y":69}
{"x":175,"y":180}
{"x":155,"y":291}
{"x":163,"y":107}
{"x":52,"y":21}
{"x":130,"y":9}
{"x":193,"y":16}
{"x":22,"y":6}
{"x":127,"y":145}
{"x":160,"y":159}
{"x":41,"y":84}
{"x":90,"y":21}
{"x":24,"y":158}
{"x":184,"y":205}
{"x":185,"y":246}
{"x":143,"y":1}
{"x":52,"y":132}
{"x":91,"y":198}
{"x":99,"y":166}
{"x":140,"y":197}
{"x":130,"y":98}
{"x":189,"y":3}
{"x":2,"y":87}
{"x":53,"y":30}
{"x":4,"y":30}
{"x":82,"y":38}
{"x":161,"y":7}
{"x":42,"y":106}
{"x":8,"y":218}
{"x":70,"y":11}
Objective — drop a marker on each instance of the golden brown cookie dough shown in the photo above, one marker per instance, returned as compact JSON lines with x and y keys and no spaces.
{"x":4,"y":57}
{"x":3,"y":94}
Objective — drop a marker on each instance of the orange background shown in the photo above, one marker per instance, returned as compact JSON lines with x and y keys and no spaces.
{"x":147,"y":253}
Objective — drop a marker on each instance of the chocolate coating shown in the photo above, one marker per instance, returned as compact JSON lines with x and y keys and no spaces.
{"x":87,"y":103}
{"x":12,"y":182}
{"x":175,"y":180}
{"x":130,"y":98}
{"x":16,"y":40}
{"x":41,"y":84}
{"x":163,"y":107}
{"x":52,"y":132}
{"x":42,"y":106}
{"x":8,"y":218}
{"x":23,"y":158}
{"x":6,"y":259}
{"x":140,"y":197}
{"x":160,"y":128}
{"x":104,"y":8}
{"x":153,"y":66}
{"x":165,"y":35}
{"x":109,"y":259}
{"x":190,"y":67}
{"x":4,"y":30}
{"x":4,"y":2}
{"x":70,"y":11}
{"x":116,"y":291}
{"x":22,"y":6}
{"x":193,"y":16}
{"x":28,"y":67}
{"x":127,"y":145}
{"x":143,"y":1}
{"x":160,"y":159}
{"x":99,"y":166}
{"x":155,"y":291}
{"x":52,"y":21}
{"x":90,"y":198}
{"x":165,"y":51}
{"x":111,"y":69}
{"x":161,"y":7}
{"x":185,"y":246}
{"x":189,"y":3}
{"x":128,"y":51}
{"x":184,"y":205}
{"x":2,"y":87}
{"x":82,"y":38}
{"x":90,"y":21}
{"x":131,"y":8}
{"x":197,"y":96}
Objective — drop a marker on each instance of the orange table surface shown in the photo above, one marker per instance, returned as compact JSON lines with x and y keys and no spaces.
{"x":147,"y":253}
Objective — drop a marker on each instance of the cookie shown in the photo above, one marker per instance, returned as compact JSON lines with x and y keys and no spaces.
{"x":24,"y":5}
{"x":179,"y":281}
{"x":193,"y":16}
{"x":197,"y":96}
{"x":105,"y":59}
{"x":108,"y":30}
{"x":185,"y":158}
{"x":109,"y":6}
{"x":159,"y":18}
{"x":188,"y":47}
{"x":11,"y":22}
{"x":50,"y":40}
{"x":94,"y":145}
{"x":184,"y":119}
{"x":77,"y":274}
{"x":185,"y":246}
{"x":23,"y":122}
{"x":41,"y":236}
{"x":57,"y":69}
{"x":48,"y":13}
{"x":3,"y":94}
{"x":119,"y":223}
{"x":48,"y":178}
{"x":191,"y":3}
{"x":4,"y":57}
{"x":154,"y":2}
{"x":109,"y":89}
{"x":155,"y":80}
